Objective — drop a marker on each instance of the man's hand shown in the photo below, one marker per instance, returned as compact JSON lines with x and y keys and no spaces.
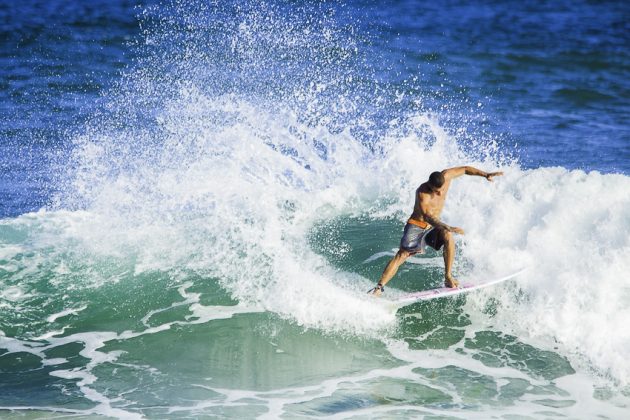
{"x":457,"y":230}
{"x":491,"y":175}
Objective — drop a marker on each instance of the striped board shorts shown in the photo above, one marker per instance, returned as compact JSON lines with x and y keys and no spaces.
{"x":415,"y":239}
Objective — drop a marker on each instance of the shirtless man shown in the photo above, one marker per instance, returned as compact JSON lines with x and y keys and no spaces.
{"x":425,"y":227}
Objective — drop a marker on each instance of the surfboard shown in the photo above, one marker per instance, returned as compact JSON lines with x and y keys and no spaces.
{"x":464,"y":287}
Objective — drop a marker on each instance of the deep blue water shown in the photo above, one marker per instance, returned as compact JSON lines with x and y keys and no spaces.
{"x":551,"y":76}
{"x":58,"y":57}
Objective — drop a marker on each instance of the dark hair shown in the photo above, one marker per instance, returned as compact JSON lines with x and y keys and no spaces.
{"x":436,"y":180}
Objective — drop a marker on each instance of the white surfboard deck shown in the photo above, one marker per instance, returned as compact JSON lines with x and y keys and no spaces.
{"x":464,"y":287}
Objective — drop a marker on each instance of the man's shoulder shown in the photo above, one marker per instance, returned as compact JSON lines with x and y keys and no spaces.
{"x":423,"y":191}
{"x":423,"y":188}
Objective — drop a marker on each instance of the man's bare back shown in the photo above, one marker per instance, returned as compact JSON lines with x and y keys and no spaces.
{"x":424,"y":227}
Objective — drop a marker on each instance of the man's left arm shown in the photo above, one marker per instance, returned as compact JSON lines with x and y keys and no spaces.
{"x":468,"y":170}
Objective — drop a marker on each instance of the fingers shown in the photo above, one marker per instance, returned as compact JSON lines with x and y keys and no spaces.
{"x":454,"y":229}
{"x":492,"y":175}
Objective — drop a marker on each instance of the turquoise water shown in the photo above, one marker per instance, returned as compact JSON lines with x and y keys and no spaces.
{"x":196,"y":197}
{"x":90,"y":336}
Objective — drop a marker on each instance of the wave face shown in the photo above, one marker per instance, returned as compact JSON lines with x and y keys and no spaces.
{"x":251,"y":162}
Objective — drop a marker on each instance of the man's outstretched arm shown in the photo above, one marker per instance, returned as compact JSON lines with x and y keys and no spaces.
{"x":468,"y":170}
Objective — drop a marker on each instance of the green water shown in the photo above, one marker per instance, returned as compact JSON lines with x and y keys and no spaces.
{"x":175,"y":345}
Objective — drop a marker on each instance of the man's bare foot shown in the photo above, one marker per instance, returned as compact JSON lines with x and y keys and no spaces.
{"x":377,"y":290}
{"x":451,"y":282}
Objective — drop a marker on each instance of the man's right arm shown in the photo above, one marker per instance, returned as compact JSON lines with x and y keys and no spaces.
{"x":468,"y":170}
{"x":435,"y":221}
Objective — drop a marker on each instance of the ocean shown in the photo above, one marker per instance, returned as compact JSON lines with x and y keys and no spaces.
{"x":195,"y":197}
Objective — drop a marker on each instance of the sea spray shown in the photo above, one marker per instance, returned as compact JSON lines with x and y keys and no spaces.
{"x":207,"y":164}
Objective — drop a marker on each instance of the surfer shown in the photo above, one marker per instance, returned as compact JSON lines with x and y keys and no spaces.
{"x":425,"y":227}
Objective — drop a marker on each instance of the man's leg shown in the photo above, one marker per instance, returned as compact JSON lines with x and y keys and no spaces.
{"x":449,"y":255}
{"x":392,"y":267}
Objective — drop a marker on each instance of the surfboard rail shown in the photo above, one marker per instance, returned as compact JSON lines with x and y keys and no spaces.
{"x":464,"y":287}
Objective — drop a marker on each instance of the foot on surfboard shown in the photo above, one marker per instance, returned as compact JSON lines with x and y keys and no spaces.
{"x":376,"y":291}
{"x":451,"y":282}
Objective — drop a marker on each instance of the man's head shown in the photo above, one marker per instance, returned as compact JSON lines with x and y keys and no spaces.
{"x":436,"y":180}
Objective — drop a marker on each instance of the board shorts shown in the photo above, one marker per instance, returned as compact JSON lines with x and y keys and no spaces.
{"x":415,"y":239}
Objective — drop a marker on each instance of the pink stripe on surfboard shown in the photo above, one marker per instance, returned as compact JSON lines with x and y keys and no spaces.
{"x":446,"y":291}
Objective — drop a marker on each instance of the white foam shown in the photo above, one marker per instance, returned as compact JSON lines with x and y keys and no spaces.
{"x":64,"y":313}
{"x":578,"y":251}
{"x":14,"y":293}
{"x":8,"y":252}
{"x":430,"y":262}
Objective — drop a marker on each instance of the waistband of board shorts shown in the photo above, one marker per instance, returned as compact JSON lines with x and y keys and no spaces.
{"x":420,"y":223}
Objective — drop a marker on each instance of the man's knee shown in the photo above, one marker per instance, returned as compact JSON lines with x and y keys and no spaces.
{"x":446,"y":235}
